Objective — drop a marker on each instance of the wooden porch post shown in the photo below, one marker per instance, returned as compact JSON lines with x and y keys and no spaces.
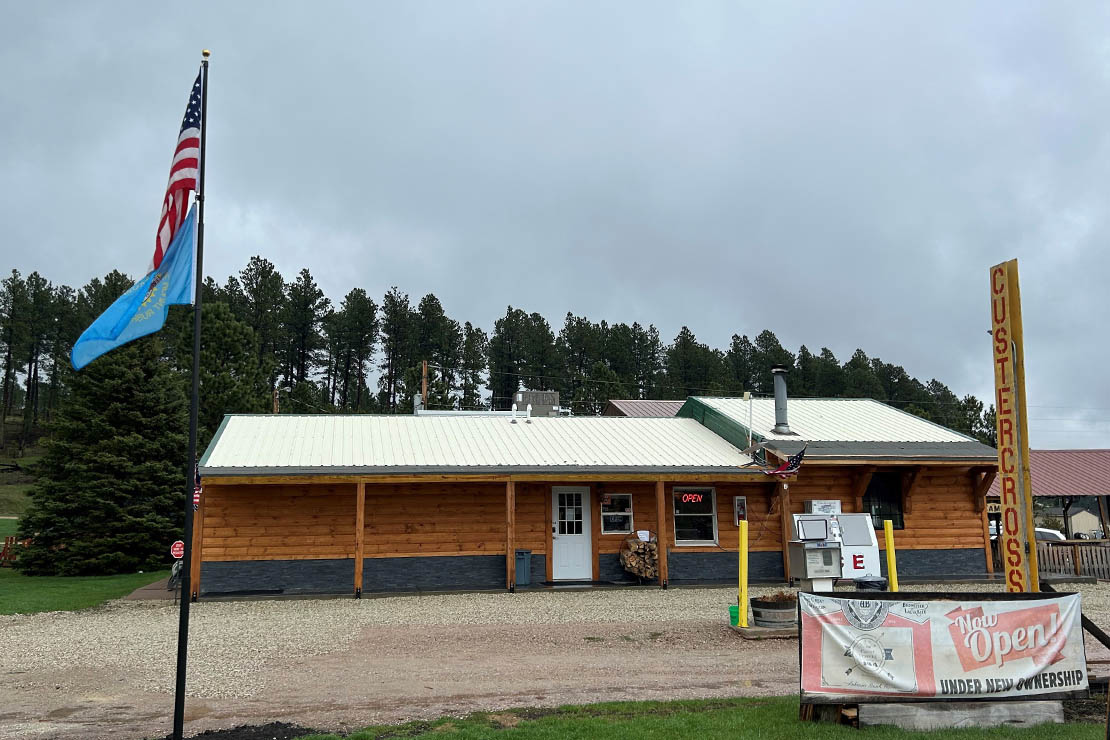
{"x":595,"y":533}
{"x":510,"y":536}
{"x":198,"y":544}
{"x":980,"y":486}
{"x":787,"y":526}
{"x":549,"y":527}
{"x":360,"y":535}
{"x":1102,"y":518}
{"x":661,"y":525}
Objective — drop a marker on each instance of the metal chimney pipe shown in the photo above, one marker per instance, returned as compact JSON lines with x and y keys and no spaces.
{"x":779,"y":373}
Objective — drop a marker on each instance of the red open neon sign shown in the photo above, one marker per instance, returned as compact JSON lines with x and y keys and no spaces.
{"x":692,"y":498}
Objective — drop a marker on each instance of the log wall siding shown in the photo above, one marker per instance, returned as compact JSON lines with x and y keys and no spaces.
{"x":943,"y":514}
{"x":643,"y":513}
{"x":278,"y":522}
{"x":292,"y":522}
{"x":531,"y":519}
{"x":764,"y":526}
{"x":435,"y":519}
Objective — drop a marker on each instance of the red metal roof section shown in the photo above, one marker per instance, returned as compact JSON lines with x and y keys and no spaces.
{"x":1068,"y":473}
{"x":643,"y":408}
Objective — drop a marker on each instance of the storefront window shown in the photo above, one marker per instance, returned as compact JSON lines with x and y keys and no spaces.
{"x":695,"y":516}
{"x":883,"y":499}
{"x":616,"y":513}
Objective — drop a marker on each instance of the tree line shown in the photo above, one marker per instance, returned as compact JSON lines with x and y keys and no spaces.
{"x":271,"y":340}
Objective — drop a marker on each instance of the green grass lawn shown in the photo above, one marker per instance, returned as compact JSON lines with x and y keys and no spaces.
{"x":14,"y":499}
{"x":20,"y":594}
{"x":774,"y":718}
{"x":8,"y":527}
{"x":30,"y":456}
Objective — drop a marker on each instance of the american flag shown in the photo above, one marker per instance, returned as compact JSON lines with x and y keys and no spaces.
{"x":790,"y":467}
{"x":183,"y":176}
{"x":196,"y":488}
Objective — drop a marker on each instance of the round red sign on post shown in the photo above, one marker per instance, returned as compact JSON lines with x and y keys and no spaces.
{"x":177,"y":549}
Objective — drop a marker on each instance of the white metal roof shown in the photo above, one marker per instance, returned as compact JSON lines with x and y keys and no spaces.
{"x":835,"y":420}
{"x":299,"y":445}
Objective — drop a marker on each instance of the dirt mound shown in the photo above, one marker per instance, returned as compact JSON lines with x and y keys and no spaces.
{"x":272,"y":731}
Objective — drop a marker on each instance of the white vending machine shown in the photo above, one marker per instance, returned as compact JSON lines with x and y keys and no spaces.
{"x":853,"y":534}
{"x":815,"y":559}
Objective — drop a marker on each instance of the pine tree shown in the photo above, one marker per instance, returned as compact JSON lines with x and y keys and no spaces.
{"x":829,"y":375}
{"x":648,"y":353}
{"x":803,"y":380}
{"x":230,"y":380}
{"x":63,"y":332}
{"x":741,"y":361}
{"x":439,"y":341}
{"x":767,"y":353}
{"x":540,"y":360}
{"x":399,"y":346}
{"x":262,"y":304}
{"x":110,"y":493}
{"x":13,"y":309}
{"x":619,"y":351}
{"x":506,"y":350}
{"x":305,"y":310}
{"x":474,"y":353}
{"x":860,"y":380}
{"x":580,"y":346}
{"x":601,"y":385}
{"x":695,"y":369}
{"x":38,"y":323}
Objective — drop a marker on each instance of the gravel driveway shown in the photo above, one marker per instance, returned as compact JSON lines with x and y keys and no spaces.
{"x":341,"y":664}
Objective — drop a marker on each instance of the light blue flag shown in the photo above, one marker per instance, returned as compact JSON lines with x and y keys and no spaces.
{"x":142,"y":309}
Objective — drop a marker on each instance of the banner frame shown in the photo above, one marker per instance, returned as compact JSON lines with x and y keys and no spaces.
{"x":1009,"y":596}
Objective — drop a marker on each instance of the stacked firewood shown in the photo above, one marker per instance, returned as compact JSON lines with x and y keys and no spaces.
{"x":641,"y":558}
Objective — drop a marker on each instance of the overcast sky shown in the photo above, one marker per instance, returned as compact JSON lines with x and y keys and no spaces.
{"x":842,"y":173}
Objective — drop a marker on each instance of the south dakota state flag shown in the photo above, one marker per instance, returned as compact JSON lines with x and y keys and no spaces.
{"x":142,"y":309}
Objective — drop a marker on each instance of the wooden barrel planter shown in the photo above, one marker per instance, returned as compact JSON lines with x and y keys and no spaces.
{"x":776,"y":614}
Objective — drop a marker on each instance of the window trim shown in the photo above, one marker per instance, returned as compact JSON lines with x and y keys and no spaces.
{"x":674,"y":516}
{"x":602,"y":514}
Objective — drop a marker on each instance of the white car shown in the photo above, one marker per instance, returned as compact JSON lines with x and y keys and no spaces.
{"x":1050,"y":535}
{"x":1042,"y":534}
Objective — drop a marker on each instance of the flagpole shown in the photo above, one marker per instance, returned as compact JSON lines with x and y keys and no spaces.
{"x":190,"y":475}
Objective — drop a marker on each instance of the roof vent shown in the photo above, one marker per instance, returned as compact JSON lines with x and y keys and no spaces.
{"x":781,"y":425}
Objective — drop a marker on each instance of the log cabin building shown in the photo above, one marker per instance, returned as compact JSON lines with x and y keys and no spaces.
{"x":347,"y":504}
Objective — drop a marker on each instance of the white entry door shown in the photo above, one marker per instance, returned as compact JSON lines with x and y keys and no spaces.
{"x":571,"y":546}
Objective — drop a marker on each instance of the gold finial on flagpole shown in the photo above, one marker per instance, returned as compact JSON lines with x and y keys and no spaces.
{"x":205,"y":53}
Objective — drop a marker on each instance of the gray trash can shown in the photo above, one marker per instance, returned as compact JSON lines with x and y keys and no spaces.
{"x":523,"y":567}
{"x":871,"y":584}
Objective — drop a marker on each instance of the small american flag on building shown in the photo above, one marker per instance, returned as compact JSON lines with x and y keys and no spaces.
{"x":183,"y":176}
{"x":790,"y":467}
{"x":196,"y":489}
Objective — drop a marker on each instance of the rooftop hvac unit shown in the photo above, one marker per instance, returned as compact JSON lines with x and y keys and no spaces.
{"x":543,"y":403}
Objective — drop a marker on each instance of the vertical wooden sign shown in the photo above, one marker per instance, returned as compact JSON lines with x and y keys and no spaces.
{"x":1016,"y":533}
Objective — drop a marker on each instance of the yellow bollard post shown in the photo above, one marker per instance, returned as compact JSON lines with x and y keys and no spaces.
{"x":891,"y":558}
{"x":742,"y":597}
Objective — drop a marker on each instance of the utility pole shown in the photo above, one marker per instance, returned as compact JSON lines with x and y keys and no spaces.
{"x":275,"y":400}
{"x":424,"y":383}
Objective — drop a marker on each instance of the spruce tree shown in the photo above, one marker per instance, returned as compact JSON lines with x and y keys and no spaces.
{"x":231,"y":382}
{"x":109,"y":497}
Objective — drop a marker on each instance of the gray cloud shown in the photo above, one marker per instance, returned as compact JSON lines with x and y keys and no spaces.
{"x":843,"y":175}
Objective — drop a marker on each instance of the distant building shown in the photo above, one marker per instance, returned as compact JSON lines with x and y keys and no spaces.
{"x":642,"y":408}
{"x":1078,"y":479}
